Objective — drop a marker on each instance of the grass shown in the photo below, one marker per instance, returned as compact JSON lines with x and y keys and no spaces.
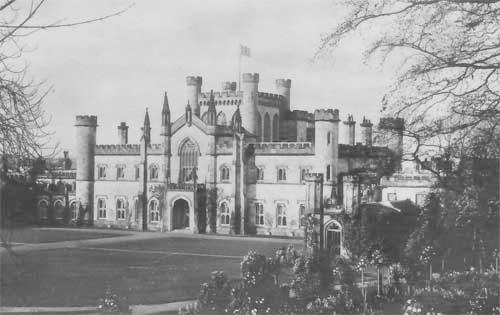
{"x":147,"y":271}
{"x":33,"y":235}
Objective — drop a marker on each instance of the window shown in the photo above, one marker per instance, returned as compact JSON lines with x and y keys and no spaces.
{"x":101,"y":173}
{"x":281,"y":174}
{"x":328,"y":140}
{"x":120,"y":172}
{"x":281,"y":212}
{"x":189,"y":160}
{"x":303,"y":173}
{"x":137,"y":172}
{"x":275,"y":128}
{"x":154,"y":213}
{"x":74,"y":210}
{"x":267,"y":128}
{"x":120,"y":209}
{"x":101,"y":207}
{"x":391,"y":197}
{"x":259,"y":214}
{"x":420,"y":199}
{"x":224,"y":173}
{"x":260,"y":173}
{"x":43,"y":207}
{"x":328,"y":172}
{"x":302,"y":214}
{"x":153,"y":172}
{"x":225,"y":216}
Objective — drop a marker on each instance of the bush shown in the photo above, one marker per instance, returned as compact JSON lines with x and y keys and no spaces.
{"x":112,"y":303}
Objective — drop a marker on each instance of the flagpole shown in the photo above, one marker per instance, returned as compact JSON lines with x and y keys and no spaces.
{"x":239,"y":70}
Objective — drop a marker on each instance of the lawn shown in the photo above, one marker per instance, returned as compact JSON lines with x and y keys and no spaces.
{"x":147,"y":271}
{"x":33,"y":235}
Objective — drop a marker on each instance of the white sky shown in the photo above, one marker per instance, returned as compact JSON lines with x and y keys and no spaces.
{"x":116,"y":68}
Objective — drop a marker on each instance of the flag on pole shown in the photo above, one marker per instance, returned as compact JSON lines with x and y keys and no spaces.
{"x":244,"y":51}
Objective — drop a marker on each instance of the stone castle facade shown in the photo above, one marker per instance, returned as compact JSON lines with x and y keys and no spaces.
{"x":237,"y":161}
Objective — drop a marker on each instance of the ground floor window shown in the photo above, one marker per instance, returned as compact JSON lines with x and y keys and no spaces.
{"x":74,"y":211}
{"x":281,"y":213}
{"x":154,"y":212}
{"x":302,"y":214}
{"x":120,"y":209}
{"x":333,"y":238}
{"x":225,"y":216}
{"x":259,"y":214}
{"x":101,"y":207}
{"x":43,"y":207}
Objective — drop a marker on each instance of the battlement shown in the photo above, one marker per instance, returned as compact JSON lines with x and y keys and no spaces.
{"x":315,"y":177}
{"x":118,"y":149}
{"x":284,"y":148}
{"x":366,"y":123}
{"x":301,"y":115}
{"x":391,"y":123}
{"x":250,"y":77}
{"x":326,"y":115}
{"x":360,"y":150}
{"x":192,"y":80}
{"x":350,"y":120}
{"x":86,"y":120}
{"x":286,"y":83}
{"x":221,"y":94}
{"x":269,"y":99}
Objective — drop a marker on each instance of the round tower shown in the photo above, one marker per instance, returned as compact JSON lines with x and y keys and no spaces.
{"x":85,"y":151}
{"x":283,"y":88}
{"x":250,"y":88}
{"x":326,"y":144}
{"x":122,"y":133}
{"x":193,"y":90}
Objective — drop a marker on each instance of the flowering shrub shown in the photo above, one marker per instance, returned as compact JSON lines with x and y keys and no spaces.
{"x":214,"y":294}
{"x":112,"y":303}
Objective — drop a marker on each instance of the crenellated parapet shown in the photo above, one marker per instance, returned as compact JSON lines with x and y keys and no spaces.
{"x":284,"y":148}
{"x":363,"y":151}
{"x":366,"y":123}
{"x":269,"y":99}
{"x":86,"y":120}
{"x":194,"y":80}
{"x":118,"y":149}
{"x":326,"y":115}
{"x":301,"y":115}
{"x":250,"y":77}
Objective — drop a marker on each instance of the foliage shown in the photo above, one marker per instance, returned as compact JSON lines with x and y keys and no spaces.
{"x":214,"y":294}
{"x":112,"y":303}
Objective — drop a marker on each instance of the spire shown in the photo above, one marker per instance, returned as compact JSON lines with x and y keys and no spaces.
{"x":211,"y":112}
{"x":189,"y":114}
{"x":146,"y":130}
{"x":146,"y":119}
{"x":165,"y":113}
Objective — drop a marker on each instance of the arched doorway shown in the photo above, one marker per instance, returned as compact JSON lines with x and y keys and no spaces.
{"x":180,"y":215}
{"x":333,"y":238}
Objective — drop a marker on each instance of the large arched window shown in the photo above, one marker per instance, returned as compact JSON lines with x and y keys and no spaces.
{"x":189,"y":160}
{"x":120,"y":209}
{"x":221,"y":119}
{"x":225,"y":216}
{"x":333,"y":237}
{"x":154,"y":212}
{"x":275,"y":128}
{"x":267,"y":128}
{"x":259,"y":128}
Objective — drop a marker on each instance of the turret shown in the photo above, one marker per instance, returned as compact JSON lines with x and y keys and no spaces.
{"x":193,"y":90}
{"x":350,"y":130}
{"x":366,"y":132}
{"x":211,"y":112}
{"x":165,"y":112}
{"x":123,"y":133}
{"x":85,"y":159}
{"x":250,"y":88}
{"x":237,"y":120}
{"x":283,"y":88}
{"x":326,"y":140}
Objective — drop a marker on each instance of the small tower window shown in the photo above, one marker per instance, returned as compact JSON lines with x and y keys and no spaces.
{"x":328,"y":138}
{"x":224,"y":173}
{"x":137,"y":172}
{"x":259,"y":214}
{"x":281,"y":174}
{"x":328,"y":172}
{"x":153,"y":172}
{"x":225,"y":216}
{"x":120,"y":172}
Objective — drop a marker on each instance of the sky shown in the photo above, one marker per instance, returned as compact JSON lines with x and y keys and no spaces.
{"x":118,"y":67}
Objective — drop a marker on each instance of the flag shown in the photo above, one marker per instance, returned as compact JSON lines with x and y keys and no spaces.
{"x":244,"y":51}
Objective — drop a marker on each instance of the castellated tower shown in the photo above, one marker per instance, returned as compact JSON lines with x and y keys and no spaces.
{"x":193,"y":90}
{"x":122,"y":133}
{"x":283,"y":88}
{"x":326,"y":143}
{"x":85,"y":149}
{"x":250,"y":88}
{"x":366,"y":132}
{"x":350,"y":130}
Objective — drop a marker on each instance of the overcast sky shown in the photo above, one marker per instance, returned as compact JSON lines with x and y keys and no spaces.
{"x":116,"y":68}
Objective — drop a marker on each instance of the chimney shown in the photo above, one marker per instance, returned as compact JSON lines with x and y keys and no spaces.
{"x":123,"y":133}
{"x":350,"y":130}
{"x":366,"y":131}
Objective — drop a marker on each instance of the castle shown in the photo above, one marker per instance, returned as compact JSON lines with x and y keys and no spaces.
{"x":237,"y":161}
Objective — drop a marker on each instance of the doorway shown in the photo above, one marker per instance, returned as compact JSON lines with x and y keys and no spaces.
{"x":180,"y":216}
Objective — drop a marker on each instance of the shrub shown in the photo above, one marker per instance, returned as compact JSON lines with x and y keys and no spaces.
{"x":112,"y":303}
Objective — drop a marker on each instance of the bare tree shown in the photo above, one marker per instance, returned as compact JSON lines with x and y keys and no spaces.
{"x":447,"y":86}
